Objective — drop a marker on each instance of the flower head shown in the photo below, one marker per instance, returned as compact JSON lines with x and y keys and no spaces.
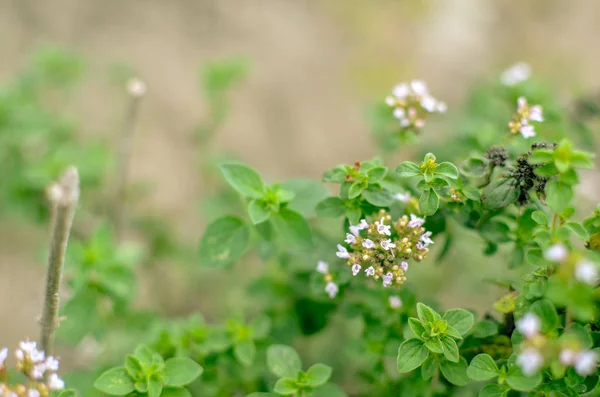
{"x":413,"y":103}
{"x":529,"y":325}
{"x":350,"y":238}
{"x":356,"y":269}
{"x":382,"y":228}
{"x":332,"y":289}
{"x":363,"y":224}
{"x":586,"y":272}
{"x":322,"y":267}
{"x":3,"y":355}
{"x":586,"y":363}
{"x":516,"y":74}
{"x":387,"y":244}
{"x":556,"y":253}
{"x":415,"y":221}
{"x":567,"y":356}
{"x":395,"y":302}
{"x":370,"y":271}
{"x":521,"y":121}
{"x":425,"y":238}
{"x":530,"y":360}
{"x":367,"y":243}
{"x":342,"y":252}
{"x":404,"y":197}
{"x":55,"y":383}
{"x":387,"y":279}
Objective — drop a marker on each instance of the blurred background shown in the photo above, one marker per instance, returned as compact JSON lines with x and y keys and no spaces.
{"x":312,"y":68}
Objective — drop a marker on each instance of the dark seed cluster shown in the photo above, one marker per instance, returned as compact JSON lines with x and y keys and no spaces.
{"x":497,"y":155}
{"x":525,"y":175}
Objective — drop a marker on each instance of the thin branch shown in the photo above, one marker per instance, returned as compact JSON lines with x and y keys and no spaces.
{"x":63,"y":196}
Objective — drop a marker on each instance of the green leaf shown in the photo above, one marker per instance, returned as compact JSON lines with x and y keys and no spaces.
{"x":225,"y":241}
{"x":520,"y":382}
{"x":429,"y":202}
{"x":429,"y":367}
{"x":447,"y":169}
{"x":540,"y":217}
{"x":578,"y":229}
{"x":133,"y":366}
{"x":455,"y":373}
{"x":283,"y":361}
{"x":407,"y":169}
{"x":356,"y":189}
{"x":494,"y":391}
{"x":500,"y":193}
{"x":181,"y":371}
{"x":411,"y":354}
{"x":545,"y":310}
{"x":426,"y":314}
{"x":244,"y":352}
{"x":377,"y":196}
{"x":243,"y":179}
{"x":558,"y":195}
{"x":154,"y":388}
{"x":485,"y":328}
{"x":337,"y":174}
{"x":115,"y":382}
{"x":293,"y":228}
{"x":453,"y":332}
{"x":307,"y":194}
{"x":482,"y":368}
{"x":462,"y":320}
{"x":329,"y":390}
{"x":331,"y":207}
{"x":145,"y":355}
{"x":434,"y":344}
{"x":417,"y":327}
{"x":473,"y":167}
{"x":318,"y":375}
{"x":67,"y":393}
{"x":285,"y":386}
{"x":376,"y":174}
{"x":258,"y":211}
{"x":175,"y":392}
{"x":450,"y":348}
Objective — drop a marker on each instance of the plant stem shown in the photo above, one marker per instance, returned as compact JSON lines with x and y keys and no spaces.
{"x":137,"y":90}
{"x":63,"y":196}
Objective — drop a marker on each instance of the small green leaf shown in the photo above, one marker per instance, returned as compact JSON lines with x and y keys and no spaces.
{"x":540,"y":217}
{"x":494,"y":391}
{"x":416,"y":326}
{"x":447,"y":169}
{"x":181,"y":371}
{"x":318,"y":375}
{"x":175,"y":392}
{"x":558,"y":195}
{"x":473,"y":167}
{"x":243,"y":179}
{"x":67,"y":393}
{"x":225,"y":241}
{"x":462,"y":320}
{"x":285,"y":386}
{"x":307,"y":194}
{"x":376,"y":174}
{"x":293,"y":229}
{"x":500,"y":193}
{"x":133,"y":367}
{"x":453,"y":332}
{"x":520,"y":382}
{"x":407,"y":169}
{"x":154,"y":388}
{"x":426,"y":314}
{"x":429,"y":367}
{"x":482,"y":368}
{"x":545,"y":310}
{"x":434,"y":345}
{"x":331,"y":207}
{"x":356,"y":189}
{"x":115,"y":382}
{"x":450,"y":348}
{"x":411,"y":354}
{"x":485,"y":328}
{"x":578,"y":229}
{"x":429,"y":202}
{"x":377,"y":196}
{"x":244,"y":352}
{"x":283,"y":361}
{"x":455,"y":373}
{"x":258,"y":211}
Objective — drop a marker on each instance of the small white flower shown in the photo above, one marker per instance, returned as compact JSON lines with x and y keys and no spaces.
{"x":367,"y":243}
{"x":399,"y":113}
{"x":27,"y":346}
{"x":556,"y":253}
{"x":350,"y":239}
{"x":382,"y":228}
{"x":527,"y":131}
{"x":354,"y":229}
{"x":52,"y":363}
{"x":586,"y":363}
{"x":516,"y":74}
{"x":429,"y":103}
{"x":425,"y":238}
{"x":529,"y":325}
{"x":415,"y":221}
{"x":342,"y":252}
{"x":355,"y":269}
{"x":535,"y":113}
{"x":404,"y":122}
{"x":387,"y":244}
{"x":362,"y":225}
{"x":322,"y":267}
{"x":370,"y":271}
{"x":33,"y":393}
{"x":418,"y":87}
{"x":530,"y":360}
{"x":404,"y":197}
{"x":55,"y":383}
{"x":3,"y":355}
{"x":395,"y":302}
{"x":441,"y":107}
{"x":37,"y":371}
{"x":586,"y":272}
{"x":332,"y":289}
{"x":420,"y":245}
{"x":567,"y":356}
{"x":390,"y":100}
{"x":521,"y":103}
{"x":404,"y":265}
{"x":400,"y":91}
{"x":387,"y":279}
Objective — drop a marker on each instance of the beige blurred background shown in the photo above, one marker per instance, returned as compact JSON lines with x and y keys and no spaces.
{"x":315,"y":64}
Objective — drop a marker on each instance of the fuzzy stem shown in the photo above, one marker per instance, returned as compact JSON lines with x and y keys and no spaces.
{"x":63,"y":196}
{"x":137,"y":90}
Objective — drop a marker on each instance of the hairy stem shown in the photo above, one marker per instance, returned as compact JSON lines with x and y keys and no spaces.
{"x":63,"y":196}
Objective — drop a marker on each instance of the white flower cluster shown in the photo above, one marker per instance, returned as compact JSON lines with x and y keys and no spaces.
{"x":522,"y":119}
{"x":39,"y":369}
{"x":331,"y":288}
{"x":584,"y":362}
{"x":516,"y":74}
{"x":412,"y":104}
{"x":585,"y":271}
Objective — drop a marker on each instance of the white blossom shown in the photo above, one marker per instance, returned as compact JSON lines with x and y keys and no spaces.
{"x":367,"y":243}
{"x":387,"y":244}
{"x":529,"y":325}
{"x":350,"y":239}
{"x":332,"y":289}
{"x":418,"y":87}
{"x":400,"y":91}
{"x":415,"y":221}
{"x":52,"y":363}
{"x":390,"y":100}
{"x":342,"y":252}
{"x":420,"y":245}
{"x":527,"y":131}
{"x":363,"y":224}
{"x":395,"y":302}
{"x":429,"y":103}
{"x":37,"y":371}
{"x":354,"y":229}
{"x":322,"y":267}
{"x":586,"y":363}
{"x":586,"y":272}
{"x":535,"y":113}
{"x":355,"y":269}
{"x":55,"y":383}
{"x":399,"y":113}
{"x":441,"y":107}
{"x":404,"y":265}
{"x":387,"y":279}
{"x":33,"y":393}
{"x":404,"y":197}
{"x":370,"y":271}
{"x":530,"y":360}
{"x":136,"y":87}
{"x":425,"y":238}
{"x":516,"y":74}
{"x":3,"y":355}
{"x":567,"y":356}
{"x":556,"y":253}
{"x":382,"y":228}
